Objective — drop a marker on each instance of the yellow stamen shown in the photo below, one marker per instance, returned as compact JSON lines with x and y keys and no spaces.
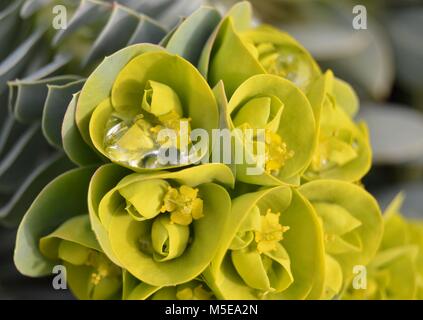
{"x":102,"y":266}
{"x":270,"y":233}
{"x":183,"y":205}
{"x":277,"y":152}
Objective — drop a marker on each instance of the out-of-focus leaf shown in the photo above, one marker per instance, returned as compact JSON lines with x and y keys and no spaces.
{"x":412,"y":206}
{"x":189,"y":39}
{"x":371,"y":69}
{"x":8,"y":21}
{"x":328,"y":39}
{"x":87,"y":11}
{"x":405,"y":28}
{"x":57,"y":101}
{"x":10,"y":132}
{"x":27,"y":98}
{"x":31,"y":6}
{"x":169,"y":12}
{"x":11,"y":213}
{"x":121,"y":26}
{"x":22,"y":158}
{"x":396,"y":133}
{"x":15,"y":62}
{"x":58,"y":62}
{"x":147,"y":31}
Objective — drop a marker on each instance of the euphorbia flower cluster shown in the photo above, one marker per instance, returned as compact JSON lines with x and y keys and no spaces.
{"x":138,"y":229}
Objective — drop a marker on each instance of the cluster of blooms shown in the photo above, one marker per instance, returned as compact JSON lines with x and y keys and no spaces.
{"x":135,"y":229}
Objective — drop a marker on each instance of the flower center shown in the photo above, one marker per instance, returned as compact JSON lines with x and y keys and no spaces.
{"x":183,"y":205}
{"x":270,"y":232}
{"x":103,"y":267}
{"x":277,"y":152}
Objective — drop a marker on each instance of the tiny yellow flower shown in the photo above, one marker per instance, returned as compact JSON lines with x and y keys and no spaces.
{"x":277,"y":152}
{"x":270,"y":233}
{"x":183,"y":205}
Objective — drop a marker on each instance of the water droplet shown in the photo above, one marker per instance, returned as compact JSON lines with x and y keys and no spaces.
{"x":133,"y":143}
{"x":294,"y":67}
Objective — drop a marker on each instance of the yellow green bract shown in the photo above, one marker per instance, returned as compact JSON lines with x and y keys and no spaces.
{"x":90,"y":274}
{"x":154,"y":90}
{"x":396,"y":271}
{"x":352,"y":229}
{"x":272,"y":249}
{"x":277,"y":106}
{"x":157,"y":225}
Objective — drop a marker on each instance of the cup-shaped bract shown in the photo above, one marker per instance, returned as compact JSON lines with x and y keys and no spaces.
{"x":236,"y":51}
{"x":142,"y":102}
{"x":163,"y":228}
{"x":272,"y":248}
{"x":89,"y":273}
{"x":396,"y":270}
{"x":274,"y":131}
{"x":56,"y":232}
{"x":352,"y":226}
{"x":343,"y":148}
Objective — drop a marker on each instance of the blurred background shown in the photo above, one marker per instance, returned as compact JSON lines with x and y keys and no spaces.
{"x":384,"y":63}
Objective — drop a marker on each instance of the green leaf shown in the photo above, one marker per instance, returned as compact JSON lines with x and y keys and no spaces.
{"x":55,"y":106}
{"x":28,"y":97}
{"x":86,"y":12}
{"x":122,"y":28}
{"x":8,"y":24}
{"x":31,"y":6}
{"x":11,"y":212}
{"x":333,"y":280}
{"x":232,"y":62}
{"x":16,"y":61}
{"x":14,"y":165}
